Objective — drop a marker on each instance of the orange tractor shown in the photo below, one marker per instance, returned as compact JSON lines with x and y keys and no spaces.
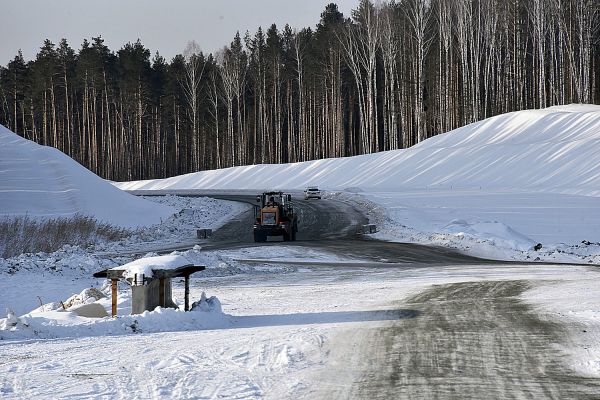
{"x":275,"y":216}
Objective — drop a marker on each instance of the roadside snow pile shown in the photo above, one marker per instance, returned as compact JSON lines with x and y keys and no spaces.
{"x":211,"y":304}
{"x":496,"y":232}
{"x":199,"y":212}
{"x":180,"y":229}
{"x":280,"y":253}
{"x":40,"y":181}
{"x":260,"y":260}
{"x":86,"y":296}
{"x":67,"y":323}
{"x":70,"y":260}
{"x":11,"y":322}
{"x":500,"y":226}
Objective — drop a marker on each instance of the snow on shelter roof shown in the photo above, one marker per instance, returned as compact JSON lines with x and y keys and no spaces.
{"x":149,"y":265}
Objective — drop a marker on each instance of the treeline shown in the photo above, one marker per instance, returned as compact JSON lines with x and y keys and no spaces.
{"x":387,"y":77}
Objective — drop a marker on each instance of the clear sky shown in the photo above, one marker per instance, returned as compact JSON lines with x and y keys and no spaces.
{"x":165,"y":25}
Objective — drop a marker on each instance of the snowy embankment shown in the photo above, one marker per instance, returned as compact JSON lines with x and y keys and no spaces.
{"x":40,"y":181}
{"x":495,"y":188}
{"x":552,"y":150}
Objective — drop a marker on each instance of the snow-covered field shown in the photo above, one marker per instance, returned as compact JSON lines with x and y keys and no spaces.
{"x":495,"y":189}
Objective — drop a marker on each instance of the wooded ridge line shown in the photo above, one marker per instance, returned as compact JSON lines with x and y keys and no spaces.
{"x":387,"y":77}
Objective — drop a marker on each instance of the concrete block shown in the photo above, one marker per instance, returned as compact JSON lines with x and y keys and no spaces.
{"x":204,"y":233}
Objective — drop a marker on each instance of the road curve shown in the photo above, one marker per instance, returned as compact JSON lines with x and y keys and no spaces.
{"x":325,"y":224}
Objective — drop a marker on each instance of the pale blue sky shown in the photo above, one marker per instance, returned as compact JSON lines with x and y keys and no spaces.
{"x":161,"y":25}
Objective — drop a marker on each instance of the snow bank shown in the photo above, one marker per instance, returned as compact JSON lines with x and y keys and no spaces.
{"x":550,"y":150}
{"x":497,"y":226}
{"x":41,"y":181}
{"x":494,"y":231}
{"x":66,"y":323}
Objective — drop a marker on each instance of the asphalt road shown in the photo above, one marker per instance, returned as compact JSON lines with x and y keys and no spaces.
{"x":469,"y":340}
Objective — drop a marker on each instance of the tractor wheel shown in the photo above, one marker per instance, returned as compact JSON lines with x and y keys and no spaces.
{"x":260,"y":237}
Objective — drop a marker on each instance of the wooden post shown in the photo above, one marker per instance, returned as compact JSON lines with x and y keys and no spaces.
{"x":187,"y":293}
{"x":161,"y":292}
{"x":114,"y":296}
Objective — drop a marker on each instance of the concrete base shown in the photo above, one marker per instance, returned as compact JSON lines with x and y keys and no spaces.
{"x":150,"y":296}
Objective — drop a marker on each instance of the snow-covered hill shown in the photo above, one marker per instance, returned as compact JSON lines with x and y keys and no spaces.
{"x":41,"y":181}
{"x":553,"y":150}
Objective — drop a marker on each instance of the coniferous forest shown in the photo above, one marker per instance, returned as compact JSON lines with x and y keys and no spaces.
{"x":385,"y":77}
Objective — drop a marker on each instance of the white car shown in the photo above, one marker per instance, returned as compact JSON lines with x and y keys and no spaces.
{"x":312,"y":192}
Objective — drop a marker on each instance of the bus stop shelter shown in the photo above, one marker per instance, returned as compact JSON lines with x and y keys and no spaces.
{"x":150,"y":281}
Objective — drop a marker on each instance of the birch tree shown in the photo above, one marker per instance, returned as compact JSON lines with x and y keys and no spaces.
{"x":194,"y":68}
{"x":418,"y":16}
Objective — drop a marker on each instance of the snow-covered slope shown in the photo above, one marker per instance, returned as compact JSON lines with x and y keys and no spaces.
{"x":41,"y":181}
{"x":552,"y":150}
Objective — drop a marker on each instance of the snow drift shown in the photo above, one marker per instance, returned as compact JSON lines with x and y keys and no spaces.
{"x":41,"y":181}
{"x":556,"y":149}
